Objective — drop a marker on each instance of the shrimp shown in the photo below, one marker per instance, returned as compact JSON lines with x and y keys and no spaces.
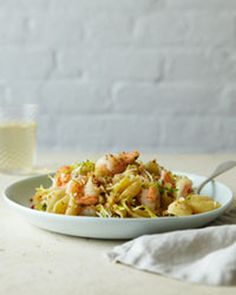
{"x":167,"y":178}
{"x":91,"y":193}
{"x":184,"y":186}
{"x":85,"y":193}
{"x":63,"y":176}
{"x":75,"y":188}
{"x":87,"y":200}
{"x":151,"y":198}
{"x":110,"y":165}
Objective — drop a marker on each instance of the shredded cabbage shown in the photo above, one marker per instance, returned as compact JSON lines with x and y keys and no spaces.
{"x":120,"y":187}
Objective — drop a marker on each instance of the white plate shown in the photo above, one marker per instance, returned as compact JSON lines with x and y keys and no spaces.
{"x":18,"y":194}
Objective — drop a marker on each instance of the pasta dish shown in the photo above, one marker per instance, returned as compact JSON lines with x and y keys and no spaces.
{"x":122,"y":186}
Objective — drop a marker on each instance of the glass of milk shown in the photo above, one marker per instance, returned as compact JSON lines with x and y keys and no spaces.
{"x":17,"y":138}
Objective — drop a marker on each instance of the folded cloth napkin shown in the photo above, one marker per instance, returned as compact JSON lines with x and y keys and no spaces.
{"x":205,"y":256}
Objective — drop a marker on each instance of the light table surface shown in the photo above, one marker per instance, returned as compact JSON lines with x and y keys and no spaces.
{"x":34,"y":261}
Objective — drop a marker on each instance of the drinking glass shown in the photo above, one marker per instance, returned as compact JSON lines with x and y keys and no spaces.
{"x":17,"y":138}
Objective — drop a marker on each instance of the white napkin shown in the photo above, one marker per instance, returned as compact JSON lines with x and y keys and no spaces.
{"x":204,"y":256}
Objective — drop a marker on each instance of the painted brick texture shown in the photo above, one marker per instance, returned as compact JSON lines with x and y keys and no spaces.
{"x":156,"y":75}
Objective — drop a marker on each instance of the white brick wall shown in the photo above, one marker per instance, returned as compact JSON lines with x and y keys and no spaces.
{"x":157,"y":75}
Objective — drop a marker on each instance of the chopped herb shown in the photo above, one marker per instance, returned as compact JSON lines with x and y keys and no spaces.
{"x":44,"y":207}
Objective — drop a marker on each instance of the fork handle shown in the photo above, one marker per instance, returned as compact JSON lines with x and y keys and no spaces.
{"x":220,"y":169}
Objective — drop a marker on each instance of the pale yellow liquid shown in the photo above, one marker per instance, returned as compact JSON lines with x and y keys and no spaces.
{"x":17,"y":146}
